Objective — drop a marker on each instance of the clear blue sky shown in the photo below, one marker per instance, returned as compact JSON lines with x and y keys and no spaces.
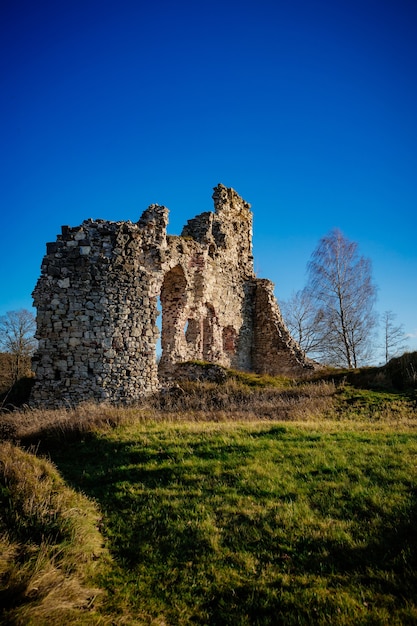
{"x":307,"y":108}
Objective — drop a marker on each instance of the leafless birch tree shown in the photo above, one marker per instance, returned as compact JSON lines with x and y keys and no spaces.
{"x":17,"y":330}
{"x":300,"y":315}
{"x":340,"y":284}
{"x":394,"y":336}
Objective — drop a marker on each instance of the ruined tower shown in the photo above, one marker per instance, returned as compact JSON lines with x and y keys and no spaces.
{"x":97,"y":305}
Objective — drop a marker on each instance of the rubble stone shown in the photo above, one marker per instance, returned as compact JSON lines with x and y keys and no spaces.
{"x":97,"y":305}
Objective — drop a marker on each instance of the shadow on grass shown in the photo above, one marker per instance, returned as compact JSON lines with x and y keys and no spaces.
{"x":154,"y":502}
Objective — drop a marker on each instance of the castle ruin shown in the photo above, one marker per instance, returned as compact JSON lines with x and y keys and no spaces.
{"x":102,"y":285}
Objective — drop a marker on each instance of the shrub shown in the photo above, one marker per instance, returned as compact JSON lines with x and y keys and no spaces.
{"x":402,"y":371}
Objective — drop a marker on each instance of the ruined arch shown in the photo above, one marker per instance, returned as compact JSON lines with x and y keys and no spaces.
{"x":173,"y":300}
{"x":212,"y":341}
{"x":229,"y":336}
{"x":193,"y":336}
{"x":97,"y":305}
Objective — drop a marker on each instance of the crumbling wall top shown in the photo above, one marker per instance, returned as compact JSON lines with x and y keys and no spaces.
{"x":228,"y":200}
{"x":227,"y":231}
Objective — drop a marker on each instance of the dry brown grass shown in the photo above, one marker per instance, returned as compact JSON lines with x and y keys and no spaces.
{"x":49,"y":543}
{"x":31,"y":425}
{"x":195,"y":401}
{"x":235,"y":400}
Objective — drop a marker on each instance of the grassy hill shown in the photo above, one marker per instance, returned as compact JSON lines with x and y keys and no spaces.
{"x":257,"y":501}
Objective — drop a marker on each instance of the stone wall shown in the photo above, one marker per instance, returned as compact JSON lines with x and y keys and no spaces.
{"x":274,"y":350}
{"x":97,"y":305}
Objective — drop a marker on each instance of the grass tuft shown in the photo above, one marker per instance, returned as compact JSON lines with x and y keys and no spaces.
{"x":49,"y":543}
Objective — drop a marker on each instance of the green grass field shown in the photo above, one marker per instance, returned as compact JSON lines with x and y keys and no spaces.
{"x":251,"y":521}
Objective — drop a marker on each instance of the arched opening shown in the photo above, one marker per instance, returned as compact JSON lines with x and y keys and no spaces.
{"x":229,"y":340}
{"x":193,"y":337}
{"x":209,"y":333}
{"x":173,"y":301}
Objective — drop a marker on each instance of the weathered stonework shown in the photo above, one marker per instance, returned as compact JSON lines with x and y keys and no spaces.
{"x":97,"y":305}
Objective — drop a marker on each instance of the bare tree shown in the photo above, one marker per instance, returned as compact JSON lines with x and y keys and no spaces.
{"x":300,"y":316}
{"x":17,"y":330}
{"x":394,"y":336}
{"x":340,"y":284}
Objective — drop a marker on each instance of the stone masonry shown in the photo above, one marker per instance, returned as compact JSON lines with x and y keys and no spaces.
{"x":97,"y":305}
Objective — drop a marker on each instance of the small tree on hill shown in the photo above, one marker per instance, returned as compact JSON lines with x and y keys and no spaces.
{"x":17,"y":337}
{"x":394,"y":338}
